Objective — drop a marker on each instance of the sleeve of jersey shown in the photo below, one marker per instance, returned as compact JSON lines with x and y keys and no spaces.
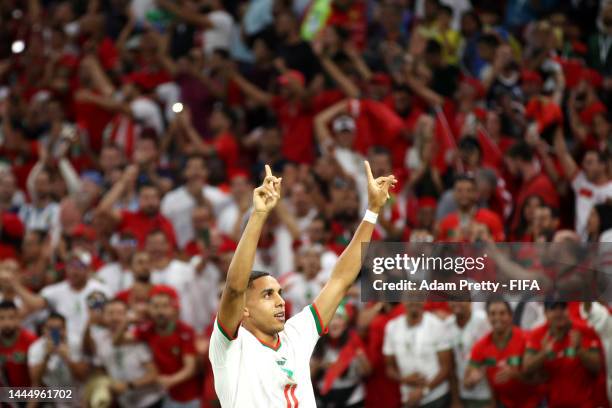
{"x":221,"y":341}
{"x":306,"y":327}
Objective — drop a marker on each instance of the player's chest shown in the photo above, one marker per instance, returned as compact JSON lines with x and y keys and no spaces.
{"x":275,"y":367}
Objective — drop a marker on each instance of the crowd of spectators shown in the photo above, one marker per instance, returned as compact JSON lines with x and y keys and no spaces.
{"x":132,"y":133}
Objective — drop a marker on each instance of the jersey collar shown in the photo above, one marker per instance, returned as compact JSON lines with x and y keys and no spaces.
{"x":274,"y":347}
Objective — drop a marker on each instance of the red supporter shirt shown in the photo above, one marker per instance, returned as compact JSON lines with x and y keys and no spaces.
{"x":228,"y":150}
{"x":381,"y":391}
{"x":14,"y":362}
{"x":93,"y":120}
{"x":450,"y":225}
{"x":353,"y":19}
{"x":141,"y":224}
{"x":21,"y":164}
{"x":11,"y":234}
{"x":569,"y":383}
{"x":296,"y":122}
{"x":168,"y":352}
{"x":513,"y":393}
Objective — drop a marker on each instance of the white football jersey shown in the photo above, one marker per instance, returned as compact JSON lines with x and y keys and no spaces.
{"x":250,"y":373}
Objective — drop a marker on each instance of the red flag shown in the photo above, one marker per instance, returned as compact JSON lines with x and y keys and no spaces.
{"x":345,"y":358}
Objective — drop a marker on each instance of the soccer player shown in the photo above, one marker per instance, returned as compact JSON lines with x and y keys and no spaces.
{"x":258,"y":358}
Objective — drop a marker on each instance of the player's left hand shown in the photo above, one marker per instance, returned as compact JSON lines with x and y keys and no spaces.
{"x":378,"y":189}
{"x":267,"y":195}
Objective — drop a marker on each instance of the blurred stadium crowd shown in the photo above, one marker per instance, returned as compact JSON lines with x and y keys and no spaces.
{"x":133,"y":132}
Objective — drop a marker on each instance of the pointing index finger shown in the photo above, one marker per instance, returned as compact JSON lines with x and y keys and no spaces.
{"x":368,"y":171}
{"x":268,"y":171}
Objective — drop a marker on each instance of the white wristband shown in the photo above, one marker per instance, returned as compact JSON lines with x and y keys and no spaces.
{"x":370,"y":216}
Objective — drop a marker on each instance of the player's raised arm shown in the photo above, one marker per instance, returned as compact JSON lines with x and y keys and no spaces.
{"x":231,"y":307}
{"x":347,"y":268}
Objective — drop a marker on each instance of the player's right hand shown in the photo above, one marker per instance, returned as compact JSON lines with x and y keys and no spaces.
{"x":266,"y":196}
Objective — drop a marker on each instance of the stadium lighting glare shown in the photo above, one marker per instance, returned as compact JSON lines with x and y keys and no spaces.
{"x":177,"y":107}
{"x":18,"y":46}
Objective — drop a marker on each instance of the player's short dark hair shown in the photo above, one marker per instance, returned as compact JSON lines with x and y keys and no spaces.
{"x":498,"y":299}
{"x":521,"y":151}
{"x":256,"y":275}
{"x":8,"y":305}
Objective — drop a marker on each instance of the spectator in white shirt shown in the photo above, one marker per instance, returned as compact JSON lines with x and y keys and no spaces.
{"x":42,"y":213}
{"x":418,"y":355}
{"x":465,"y":327}
{"x":179,"y":203}
{"x":591,"y":184}
{"x":166,"y":270}
{"x":69,"y":297}
{"x":130,"y":366}
{"x":117,"y":275}
{"x":56,"y":361}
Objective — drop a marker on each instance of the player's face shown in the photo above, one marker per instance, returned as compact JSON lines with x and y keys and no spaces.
{"x":499,"y":316}
{"x":265,"y":307}
{"x":9,"y":323}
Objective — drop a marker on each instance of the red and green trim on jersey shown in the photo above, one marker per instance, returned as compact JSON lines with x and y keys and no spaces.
{"x":321,"y":329}
{"x":290,"y":398}
{"x":226,"y":332}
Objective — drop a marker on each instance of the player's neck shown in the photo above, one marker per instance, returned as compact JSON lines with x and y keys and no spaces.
{"x":265,"y":338}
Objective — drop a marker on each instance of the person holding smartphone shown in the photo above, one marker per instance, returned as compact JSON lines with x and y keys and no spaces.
{"x":55,"y":362}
